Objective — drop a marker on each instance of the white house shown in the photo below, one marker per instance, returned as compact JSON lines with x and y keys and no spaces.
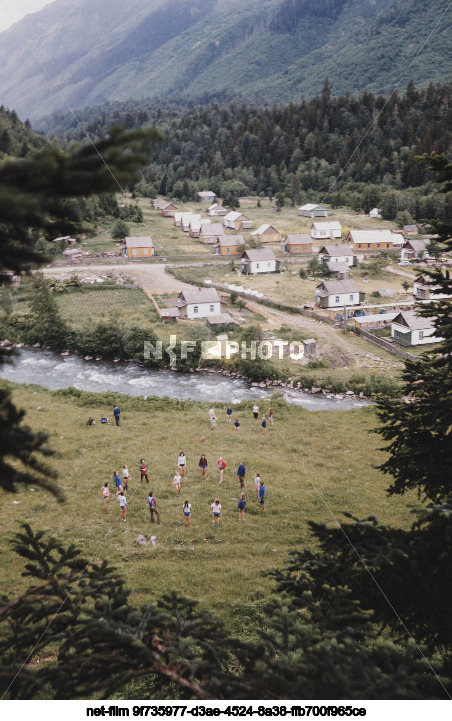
{"x":199,"y":303}
{"x":216,"y":210}
{"x":415,"y":249}
{"x":337,"y":254}
{"x":425,"y":289}
{"x":336,"y":293}
{"x":186,"y":220}
{"x":312,"y":210}
{"x":206,"y":196}
{"x":259,"y":261}
{"x":409,"y":329}
{"x":330,"y":229}
{"x":375,"y":213}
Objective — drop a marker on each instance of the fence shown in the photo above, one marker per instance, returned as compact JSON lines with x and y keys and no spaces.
{"x":385,"y":344}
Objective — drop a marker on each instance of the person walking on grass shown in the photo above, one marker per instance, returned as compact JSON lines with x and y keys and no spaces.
{"x":221,"y":466}
{"x":182,"y":463}
{"x":241,"y":506}
{"x":203,"y":466}
{"x":257,"y":483}
{"x":125,"y":478}
{"x":118,"y":483}
{"x":264,"y":426}
{"x":213,"y":423}
{"x":262,"y":496}
{"x":187,"y":512}
{"x":117,"y":413}
{"x":123,"y":505}
{"x":216,"y":510}
{"x":152,"y":503}
{"x":106,"y":495}
{"x":255,"y":411}
{"x":211,"y":413}
{"x":228,"y":414}
{"x":241,"y":474}
{"x":270,"y":416}
{"x":143,"y":471}
{"x":176,"y":482}
{"x":236,"y":427}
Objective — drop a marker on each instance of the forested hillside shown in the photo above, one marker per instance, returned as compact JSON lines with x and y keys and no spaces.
{"x":73,"y":54}
{"x":359,"y":151}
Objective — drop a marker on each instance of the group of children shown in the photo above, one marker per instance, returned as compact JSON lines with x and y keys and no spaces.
{"x":121,"y":485}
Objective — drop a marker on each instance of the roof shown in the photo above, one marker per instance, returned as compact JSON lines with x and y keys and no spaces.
{"x":235,"y":215}
{"x":335,"y":250}
{"x":169,"y":312}
{"x":263,"y":229}
{"x":374,"y":318}
{"x":338,"y":267}
{"x":207,"y":194}
{"x":416,"y":245}
{"x":208,"y":228}
{"x":311,"y":206}
{"x":410,"y":228}
{"x":140,"y":241}
{"x":328,"y":225}
{"x":195,"y":223}
{"x":200,"y":295}
{"x":413,"y":321}
{"x":336,"y":287}
{"x":230,"y":240}
{"x":371,"y":236}
{"x":294,"y":238}
{"x":216,"y":206}
{"x":258,"y":255}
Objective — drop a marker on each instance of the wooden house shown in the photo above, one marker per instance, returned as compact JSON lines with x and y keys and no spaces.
{"x":370,"y":240}
{"x":296,"y":244}
{"x":410,"y":230}
{"x":337,"y":293}
{"x":415,"y":249}
{"x":330,"y":229}
{"x":262,"y":260}
{"x":186,"y":220}
{"x":199,"y":303}
{"x":341,"y":271}
{"x":229,"y":245}
{"x":221,"y":320}
{"x":337,"y":254}
{"x":216,"y":210}
{"x":195,"y":227}
{"x":138,"y":247}
{"x":168,"y":210}
{"x":206,"y":196}
{"x":312,"y":210}
{"x":237,"y":220}
{"x":210,"y":232}
{"x":408,"y":329}
{"x":169,"y":315}
{"x":178,"y":217}
{"x":159,"y":203}
{"x":267,"y":234}
{"x":425,"y":289}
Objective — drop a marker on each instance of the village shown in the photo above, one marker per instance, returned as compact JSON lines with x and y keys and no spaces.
{"x":329,"y":270}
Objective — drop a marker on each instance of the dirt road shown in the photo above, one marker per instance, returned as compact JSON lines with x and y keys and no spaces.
{"x":151,"y":277}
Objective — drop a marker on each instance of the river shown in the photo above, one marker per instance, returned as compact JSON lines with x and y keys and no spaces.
{"x":54,"y":372}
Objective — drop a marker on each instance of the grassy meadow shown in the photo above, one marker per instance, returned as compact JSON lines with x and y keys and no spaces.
{"x":314,"y":464}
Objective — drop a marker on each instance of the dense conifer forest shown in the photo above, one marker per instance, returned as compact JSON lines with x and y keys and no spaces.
{"x":358,"y":151}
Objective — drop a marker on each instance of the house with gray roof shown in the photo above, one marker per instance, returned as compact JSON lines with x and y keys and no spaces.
{"x":262,"y":260}
{"x":312,"y":210}
{"x":337,"y":293}
{"x":199,"y":303}
{"x":408,"y":329}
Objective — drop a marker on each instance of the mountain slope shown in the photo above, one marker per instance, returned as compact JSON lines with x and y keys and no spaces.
{"x":80,"y":52}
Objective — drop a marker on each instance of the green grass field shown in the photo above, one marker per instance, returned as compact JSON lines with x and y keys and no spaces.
{"x":314,"y":465}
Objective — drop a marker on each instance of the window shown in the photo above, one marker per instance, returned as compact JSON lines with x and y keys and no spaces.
{"x":275,"y":237}
{"x":134,"y":251}
{"x":228,"y":250}
{"x":421,"y":335}
{"x":378,"y":245}
{"x":146,"y":251}
{"x":337,"y":299}
{"x":346,"y":260}
{"x":268,"y":264}
{"x":195,"y":309}
{"x":368,"y":245}
{"x":257,"y":266}
{"x":351,"y":297}
{"x":306,"y":247}
{"x":211,"y":308}
{"x":296,"y":247}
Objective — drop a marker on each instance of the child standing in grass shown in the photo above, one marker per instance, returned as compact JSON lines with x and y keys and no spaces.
{"x":241,"y":506}
{"x":203,"y":467}
{"x":264,"y":426}
{"x":255,"y":411}
{"x":187,"y":512}
{"x":257,"y":483}
{"x":236,"y":427}
{"x":143,"y":471}
{"x":181,"y":463}
{"x":118,"y":483}
{"x":270,"y":416}
{"x":221,"y":466}
{"x":123,"y":505}
{"x":106,"y":495}
{"x":228,"y":414}
{"x":176,"y":482}
{"x":262,"y":496}
{"x":152,"y":503}
{"x":126,"y":477}
{"x":216,"y":510}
